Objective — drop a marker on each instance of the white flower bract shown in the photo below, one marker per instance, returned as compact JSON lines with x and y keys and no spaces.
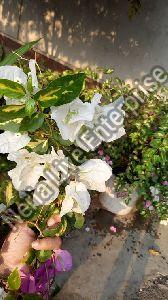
{"x":94,"y":173}
{"x":77,"y":199}
{"x":11,"y":142}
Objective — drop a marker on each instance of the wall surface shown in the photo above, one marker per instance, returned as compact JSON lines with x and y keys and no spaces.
{"x":95,"y":33}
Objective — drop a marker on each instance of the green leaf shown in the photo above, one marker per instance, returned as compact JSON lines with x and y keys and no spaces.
{"x":29,"y":85}
{"x":58,"y":231}
{"x":79,"y":221}
{"x":31,"y":256}
{"x":9,"y":193}
{"x":43,"y":255}
{"x":57,"y":137}
{"x":39,"y":146}
{"x":11,"y":297}
{"x":30,"y":107}
{"x":14,"y":280}
{"x":10,"y":112}
{"x":11,"y":89}
{"x":32,"y":124}
{"x":11,"y":58}
{"x":12,"y":125}
{"x":62,"y":90}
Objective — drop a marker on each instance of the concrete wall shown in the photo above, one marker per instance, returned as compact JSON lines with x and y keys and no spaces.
{"x":92,"y":32}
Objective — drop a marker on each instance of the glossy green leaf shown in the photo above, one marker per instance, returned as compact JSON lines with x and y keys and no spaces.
{"x":10,"y":112}
{"x":62,"y":90}
{"x":11,"y":58}
{"x":12,"y":125}
{"x":79,"y":221}
{"x":32,"y":124}
{"x":11,"y":89}
{"x":58,"y":231}
{"x":39,"y":146}
{"x":43,"y":255}
{"x":30,"y":107}
{"x":31,"y":256}
{"x":57,"y":137}
{"x":14,"y":280}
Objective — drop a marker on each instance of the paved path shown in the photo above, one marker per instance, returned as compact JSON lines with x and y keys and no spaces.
{"x":109,"y":267}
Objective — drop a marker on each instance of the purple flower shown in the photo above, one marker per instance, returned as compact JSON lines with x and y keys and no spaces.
{"x":42,"y":279}
{"x":63,"y":260}
{"x":165,"y":183}
{"x":27,"y":283}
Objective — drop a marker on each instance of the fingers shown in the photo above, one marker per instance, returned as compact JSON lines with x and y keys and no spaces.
{"x":54,"y":220}
{"x":23,"y":229}
{"x":17,"y":244}
{"x":47,"y":244}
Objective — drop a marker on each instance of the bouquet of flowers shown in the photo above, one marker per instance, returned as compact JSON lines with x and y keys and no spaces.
{"x":49,"y":134}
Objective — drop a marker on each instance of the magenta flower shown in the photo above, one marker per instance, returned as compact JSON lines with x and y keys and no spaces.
{"x":40,"y":282}
{"x":107,"y":158}
{"x":113,"y":229}
{"x":27,"y":283}
{"x":101,"y":152}
{"x":148,"y":203}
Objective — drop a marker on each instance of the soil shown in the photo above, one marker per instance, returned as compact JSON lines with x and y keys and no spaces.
{"x":155,"y":289}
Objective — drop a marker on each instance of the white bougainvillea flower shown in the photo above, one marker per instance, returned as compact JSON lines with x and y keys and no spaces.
{"x":45,"y":193}
{"x":107,"y":126}
{"x":16,"y":74}
{"x":31,"y":166}
{"x":94,"y":173}
{"x":154,"y":191}
{"x":13,"y":73}
{"x":29,"y":169}
{"x":56,"y":164}
{"x":55,"y":172}
{"x":77,"y":199}
{"x":72,"y":116}
{"x":11,"y":142}
{"x":32,"y":73}
{"x":114,"y":115}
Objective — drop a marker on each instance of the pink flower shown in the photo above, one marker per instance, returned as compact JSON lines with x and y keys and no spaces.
{"x":113,"y":229}
{"x":107,"y":157}
{"x":110,"y":162}
{"x":148,"y":204}
{"x":165,"y":182}
{"x":100,"y":152}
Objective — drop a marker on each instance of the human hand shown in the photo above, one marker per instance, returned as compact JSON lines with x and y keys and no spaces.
{"x":19,"y":242}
